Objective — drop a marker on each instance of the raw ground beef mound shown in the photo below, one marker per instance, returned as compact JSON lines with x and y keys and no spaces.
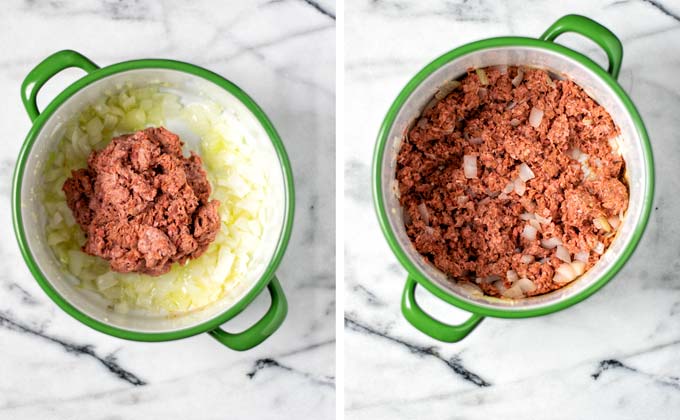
{"x":469,"y":228}
{"x":142,"y":204}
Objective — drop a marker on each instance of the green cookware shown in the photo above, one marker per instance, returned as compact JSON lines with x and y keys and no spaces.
{"x":543,"y":53}
{"x":188,"y":81}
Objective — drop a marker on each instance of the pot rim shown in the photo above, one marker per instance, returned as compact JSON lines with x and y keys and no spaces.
{"x":284,"y":235}
{"x":379,"y":151}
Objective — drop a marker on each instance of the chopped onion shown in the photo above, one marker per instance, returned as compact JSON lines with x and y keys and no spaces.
{"x":614,"y":221}
{"x":525,"y":285}
{"x":514,"y":122}
{"x":492,"y":278}
{"x":525,"y":172}
{"x":482,"y":93}
{"x":483,"y":80}
{"x":511,"y":105}
{"x":582,"y":256}
{"x":567,"y":272}
{"x":527,"y":216}
{"x":462,"y":199}
{"x":535,"y":224}
{"x":562,"y":253}
{"x":543,"y":220}
{"x":476,"y":140}
{"x":601,"y":223}
{"x":564,"y":274}
{"x":527,"y":259}
{"x":509,"y":187}
{"x":503,"y":196}
{"x":500,"y":286}
{"x":424,"y":214}
{"x":579,"y":267}
{"x":518,"y":79}
{"x":514,"y":292}
{"x":470,"y":166}
{"x":512,"y":276}
{"x":551,"y":243}
{"x":529,"y":232}
{"x":574,"y":153}
{"x":599,"y":248}
{"x":535,"y":117}
{"x":446,"y":88}
{"x":520,"y":187}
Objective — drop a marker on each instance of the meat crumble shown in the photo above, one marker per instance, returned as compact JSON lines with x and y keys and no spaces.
{"x":510,"y":181}
{"x":142,"y":204}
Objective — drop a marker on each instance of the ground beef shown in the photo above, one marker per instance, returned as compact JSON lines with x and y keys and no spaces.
{"x":471,"y":228}
{"x":142,"y":204}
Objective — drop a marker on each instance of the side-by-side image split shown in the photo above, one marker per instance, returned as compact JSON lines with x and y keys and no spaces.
{"x":340,"y":209}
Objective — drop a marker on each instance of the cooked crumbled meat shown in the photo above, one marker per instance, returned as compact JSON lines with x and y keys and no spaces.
{"x":142,"y":204}
{"x":470,"y":228}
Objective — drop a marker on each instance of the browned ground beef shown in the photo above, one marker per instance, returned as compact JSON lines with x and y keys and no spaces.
{"x":469,"y":228}
{"x":142,"y":204}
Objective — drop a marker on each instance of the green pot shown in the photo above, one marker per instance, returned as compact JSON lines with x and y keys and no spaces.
{"x":188,"y":82}
{"x":543,"y":53}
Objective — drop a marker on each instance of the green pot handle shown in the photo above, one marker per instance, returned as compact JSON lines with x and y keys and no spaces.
{"x":593,"y":31}
{"x":430,"y":326}
{"x":263,"y":328}
{"x":45,"y":71}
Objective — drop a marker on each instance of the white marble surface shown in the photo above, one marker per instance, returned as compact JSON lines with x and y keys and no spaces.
{"x":614,"y":356}
{"x":283,"y":54}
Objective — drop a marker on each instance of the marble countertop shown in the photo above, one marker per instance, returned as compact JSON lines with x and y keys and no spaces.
{"x":283,"y":54}
{"x":613,"y":356}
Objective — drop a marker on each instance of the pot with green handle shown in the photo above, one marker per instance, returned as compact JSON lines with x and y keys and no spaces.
{"x":542,"y":53}
{"x":188,"y":82}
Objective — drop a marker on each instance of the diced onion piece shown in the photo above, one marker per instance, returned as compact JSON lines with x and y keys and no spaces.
{"x":527,"y":259}
{"x":564,"y":274}
{"x":482,"y":93}
{"x":527,"y":216}
{"x":518,"y":79}
{"x":579,"y":267}
{"x":509,"y":187}
{"x":614,"y":221}
{"x":512,"y":276}
{"x":529,"y":232}
{"x":551,"y":243}
{"x":535,"y":224}
{"x":500,"y":286}
{"x":543,"y":220}
{"x":511,"y":105}
{"x":470,"y":166}
{"x":535,"y":117}
{"x":492,"y":278}
{"x":514,"y":292}
{"x":483,"y":80}
{"x":525,"y":285}
{"x":562,"y":253}
{"x":601,"y":223}
{"x":514,"y":122}
{"x":525,"y":172}
{"x":503,"y":196}
{"x":574,"y":153}
{"x":476,"y":140}
{"x":520,"y":187}
{"x":599,"y":248}
{"x":424,"y":214}
{"x":582,"y":256}
{"x":462,"y":199}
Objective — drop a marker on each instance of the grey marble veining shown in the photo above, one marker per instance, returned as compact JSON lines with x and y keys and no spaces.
{"x":283,"y":54}
{"x":614,"y":356}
